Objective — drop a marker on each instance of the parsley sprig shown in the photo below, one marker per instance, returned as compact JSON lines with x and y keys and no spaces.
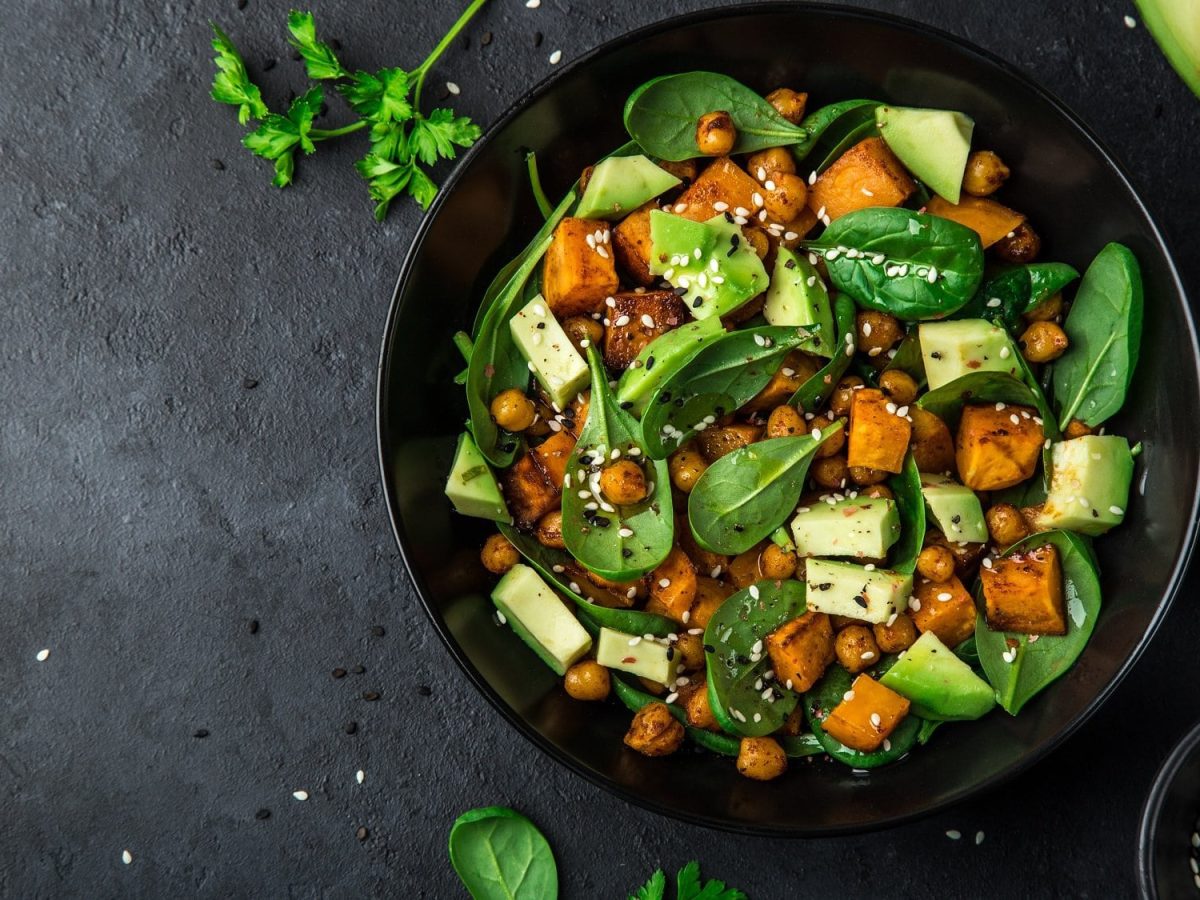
{"x":387,"y":103}
{"x":688,"y":886}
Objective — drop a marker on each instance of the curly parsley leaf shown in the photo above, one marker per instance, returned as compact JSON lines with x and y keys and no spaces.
{"x":689,"y":887}
{"x":389,"y":140}
{"x":387,"y":180}
{"x":278,"y":136}
{"x":437,"y":135}
{"x":381,"y":97}
{"x":232,"y":84}
{"x":654,"y":889}
{"x":319,"y":58}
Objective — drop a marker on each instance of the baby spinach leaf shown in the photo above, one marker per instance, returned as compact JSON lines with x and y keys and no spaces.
{"x":909,"y":264}
{"x":849,"y":128}
{"x":723,"y":376}
{"x":910,"y":503}
{"x":1037,"y":663}
{"x":500,"y":855}
{"x":1008,"y":293}
{"x":744,"y":701}
{"x":615,"y":542}
{"x":928,"y":727}
{"x":1105,"y":329}
{"x":745,"y":495}
{"x":947,"y":401}
{"x":816,"y":391}
{"x":827,"y":694}
{"x":1045,"y":413}
{"x":908,"y":359}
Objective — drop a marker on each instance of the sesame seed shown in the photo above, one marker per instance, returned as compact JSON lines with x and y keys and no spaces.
{"x":821,"y":213}
{"x":1115,"y":510}
{"x":867,"y":654}
{"x":902,"y":412}
{"x":43,"y":655}
{"x":1005,"y":353}
{"x":876,"y":720}
{"x":610,"y":302}
{"x":741,"y":211}
{"x":634,"y":641}
{"x":890,"y":407}
{"x":754,"y":593}
{"x":621,"y":321}
{"x":300,"y":795}
{"x":874,"y":351}
{"x":555,"y":57}
{"x":584,"y":495}
{"x":453,"y":88}
{"x":987,"y":562}
{"x":978,"y":838}
{"x":720,"y":206}
{"x":360,"y":776}
{"x":812,"y":179}
{"x":944,"y":596}
{"x":1130,"y":22}
{"x":625,"y":532}
{"x":887,"y":745}
{"x":878,"y":259}
{"x":591,"y":240}
{"x":914,"y":604}
{"x":831,"y":255}
{"x":126,"y":857}
{"x":533,"y":4}
{"x":994,"y":302}
{"x":866,"y":329}
{"x":716,"y":572}
{"x":501,"y":619}
{"x":1015,"y":419}
{"x":664,"y":582}
{"x":932,"y":275}
{"x":954,"y":834}
{"x":769,"y":184}
{"x":602,"y":252}
{"x":756,"y":198}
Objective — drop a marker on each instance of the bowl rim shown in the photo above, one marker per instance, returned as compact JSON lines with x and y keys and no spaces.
{"x":715,"y":13}
{"x":1148,"y":827}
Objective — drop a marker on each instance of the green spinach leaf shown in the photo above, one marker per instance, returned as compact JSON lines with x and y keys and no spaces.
{"x":908,"y":359}
{"x":947,"y":401}
{"x":910,"y":503}
{"x":816,"y":391}
{"x":500,"y":855}
{"x":1009,"y":293}
{"x":928,"y":727}
{"x":852,"y":126}
{"x":828,"y":693}
{"x":634,"y":699}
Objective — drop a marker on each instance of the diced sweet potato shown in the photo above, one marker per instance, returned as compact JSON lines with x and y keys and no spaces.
{"x":794,"y":231}
{"x":710,"y":594}
{"x":645,"y":317}
{"x":797,"y":367}
{"x":551,"y":456}
{"x":1024,"y":593}
{"x":723,"y":182}
{"x":865,"y":720}
{"x":987,"y":218}
{"x":673,"y":584}
{"x":715,"y":441}
{"x":945,"y":608}
{"x":998,"y":446}
{"x":932,"y":444}
{"x":579,"y":273}
{"x":868,"y":174}
{"x":631,"y":241}
{"x":966,"y":555}
{"x":878,"y":436}
{"x":528,"y":492}
{"x":801,"y":650}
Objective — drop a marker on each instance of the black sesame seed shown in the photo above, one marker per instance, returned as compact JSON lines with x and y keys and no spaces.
{"x":378,"y":631}
{"x":664,"y":397}
{"x":263,"y":814}
{"x":626,"y":553}
{"x":358,"y":670}
{"x":739,"y":528}
{"x":249,"y":383}
{"x":790,"y":264}
{"x":424,"y":690}
{"x":218,"y":165}
{"x":626,"y":404}
{"x":200,"y":733}
{"x":252,"y":626}
{"x":370,"y":696}
{"x":537,"y":39}
{"x":335,"y":43}
{"x":697,"y":302}
{"x":709,"y":648}
{"x":936,"y":354}
{"x":350,"y":727}
{"x":862,"y":601}
{"x":541,"y":324}
{"x":339,"y":673}
{"x":649,"y":363}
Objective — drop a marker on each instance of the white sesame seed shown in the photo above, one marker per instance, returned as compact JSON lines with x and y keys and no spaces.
{"x":987,"y":562}
{"x":890,"y":407}
{"x":866,"y":329}
{"x":869,"y":567}
{"x":914,"y":604}
{"x":1000,"y":407}
{"x":812,"y":178}
{"x":876,"y":720}
{"x":501,"y":619}
{"x":954,"y":834}
{"x":932,"y":275}
{"x":621,"y":321}
{"x":874,"y":351}
{"x":1130,"y":22}
{"x":816,"y":434}
{"x":126,"y":857}
{"x":720,"y":206}
{"x":754,"y":593}
{"x":821,"y":213}
{"x":453,"y":88}
{"x":1116,"y":510}
{"x":756,"y":198}
{"x":43,"y":655}
{"x":867,"y":192}
{"x":887,"y":745}
{"x":769,"y":184}
{"x":533,"y":4}
{"x":849,"y":695}
{"x":625,"y":532}
{"x":944,"y":596}
{"x":978,"y":838}
{"x":635,"y":640}
{"x":602,"y":252}
{"x":741,"y":211}
{"x":902,"y":412}
{"x":878,"y":259}
{"x":994,"y":302}
{"x":360,"y":776}
{"x":574,"y":586}
{"x":300,"y":795}
{"x":1015,"y":419}
{"x":716,"y":572}
{"x":555,"y":57}
{"x":867,"y":654}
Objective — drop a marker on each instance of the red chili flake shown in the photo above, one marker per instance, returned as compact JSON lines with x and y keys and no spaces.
{"x":973,"y":364}
{"x":629,"y":659}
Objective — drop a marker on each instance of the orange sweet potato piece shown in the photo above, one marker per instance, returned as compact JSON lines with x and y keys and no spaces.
{"x":579,"y":274}
{"x":528,"y":492}
{"x":987,"y":218}
{"x":868,"y":174}
{"x":601,"y":591}
{"x":997,"y":448}
{"x":631,"y":241}
{"x":705,"y":561}
{"x":932,"y":444}
{"x":673,"y":585}
{"x":878,"y":437}
{"x":723,"y":182}
{"x":662,"y":310}
{"x":710,"y":594}
{"x":801,"y":650}
{"x":551,"y":456}
{"x":1024,"y":593}
{"x":865,"y":720}
{"x":715,"y":441}
{"x":952,"y":619}
{"x":796,"y":368}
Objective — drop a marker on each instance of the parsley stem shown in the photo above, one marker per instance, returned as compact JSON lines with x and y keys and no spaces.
{"x":321,"y":134}
{"x":421,"y":70}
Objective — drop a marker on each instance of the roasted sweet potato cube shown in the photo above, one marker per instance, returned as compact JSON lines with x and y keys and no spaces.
{"x":983,"y":215}
{"x":673,"y":585}
{"x":551,"y":456}
{"x":865,"y":720}
{"x":579,"y":271}
{"x":998,"y":446}
{"x":801,"y":650}
{"x":631,"y":241}
{"x":722,"y":187}
{"x":797,"y":367}
{"x":636,"y":320}
{"x":932,"y":443}
{"x":710,"y":594}
{"x":868,"y":174}
{"x":1024,"y":593}
{"x":945,"y":608}
{"x":528,"y":491}
{"x":878,"y":436}
{"x":717,"y":440}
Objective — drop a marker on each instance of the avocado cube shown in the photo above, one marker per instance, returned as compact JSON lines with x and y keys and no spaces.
{"x":862,"y":527}
{"x":1089,"y":484}
{"x":1024,"y":593}
{"x":956,"y":348}
{"x":997,"y":446}
{"x":620,"y":184}
{"x":558,"y":366}
{"x":714,"y":270}
{"x":797,"y":296}
{"x":944,"y":608}
{"x":868,"y":713}
{"x":635,"y":319}
{"x":540,"y":618}
{"x":472,"y":486}
{"x":579,"y":269}
{"x":932,"y":143}
{"x":939,"y":685}
{"x":846,"y":589}
{"x":955,"y":508}
{"x":636,"y":655}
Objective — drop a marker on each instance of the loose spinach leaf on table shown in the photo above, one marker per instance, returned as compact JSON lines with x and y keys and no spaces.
{"x":816,"y":391}
{"x":1036,"y":664}
{"x":500,"y":855}
{"x":1008,"y":293}
{"x":828,"y":693}
{"x":1105,"y":329}
{"x":906,"y":263}
{"x":910,"y":503}
{"x":947,"y":401}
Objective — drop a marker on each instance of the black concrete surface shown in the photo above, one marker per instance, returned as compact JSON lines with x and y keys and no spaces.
{"x":190,"y":516}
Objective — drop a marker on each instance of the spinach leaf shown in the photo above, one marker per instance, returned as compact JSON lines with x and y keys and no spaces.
{"x":947,"y":401}
{"x":852,"y":126}
{"x":1012,"y":291}
{"x":723,"y":376}
{"x":745,"y":495}
{"x":615,"y":542}
{"x":910,"y":503}
{"x":634,"y":699}
{"x":1034,"y":664}
{"x":743,"y":700}
{"x":1105,"y":329}
{"x":827,"y":694}
{"x":908,"y":359}
{"x":816,"y":391}
{"x":909,"y":264}
{"x":968,"y":652}
{"x":500,"y":855}
{"x":928,"y":727}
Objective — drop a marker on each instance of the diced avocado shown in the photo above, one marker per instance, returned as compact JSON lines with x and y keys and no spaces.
{"x":660,"y":358}
{"x":540,"y":618}
{"x":551,"y":355}
{"x":859,"y":526}
{"x":1176,"y":27}
{"x":709,"y":261}
{"x":634,"y":654}
{"x":955,"y":508}
{"x":797,"y":296}
{"x":846,"y":589}
{"x":940,"y":686}
{"x":933,"y":143}
{"x":620,"y":184}
{"x":472,"y":486}
{"x":959,"y":347}
{"x":1089,"y":484}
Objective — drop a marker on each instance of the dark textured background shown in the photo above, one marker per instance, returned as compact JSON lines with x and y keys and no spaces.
{"x":187,"y":362}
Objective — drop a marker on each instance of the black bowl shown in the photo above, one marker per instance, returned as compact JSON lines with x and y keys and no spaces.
{"x":1067,"y":183}
{"x":1169,"y":820}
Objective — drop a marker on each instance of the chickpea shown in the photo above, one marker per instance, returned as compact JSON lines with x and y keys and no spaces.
{"x":761,"y":758}
{"x":843,"y":394}
{"x":936,"y":563}
{"x":699,"y":710}
{"x":757,"y":238}
{"x":840,"y":622}
{"x":685,"y":170}
{"x":715,"y":133}
{"x":856,"y":648}
{"x":785,"y":420}
{"x":623,"y":482}
{"x":498,"y":555}
{"x":581,"y":329}
{"x":898,"y":385}
{"x":1021,"y":245}
{"x":777,"y":160}
{"x":867,"y":475}
{"x":788,"y":103}
{"x":787,"y":199}
{"x":587,"y":680}
{"x":877,"y":331}
{"x":1075,"y":428}
{"x":1048,"y":310}
{"x":549,"y":530}
{"x":985,"y":173}
{"x":895,"y":635}
{"x":654,"y":731}
{"x":690,"y":648}
{"x":776,"y":563}
{"x":877,"y":491}
{"x":830,"y":472}
{"x":1043,"y":341}
{"x":512,"y":410}
{"x":1006,"y":524}
{"x":833,"y":444}
{"x":686,"y":466}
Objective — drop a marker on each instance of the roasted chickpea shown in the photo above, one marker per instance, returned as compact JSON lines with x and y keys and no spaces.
{"x":1043,"y":341}
{"x":686,"y":466}
{"x":936,"y":563}
{"x":512,"y":410}
{"x":583,"y":330}
{"x":1031,"y":514}
{"x":833,"y":444}
{"x":788,"y":103}
{"x":786,"y":196}
{"x":1075,"y":428}
{"x":1006,"y":524}
{"x":623,"y":482}
{"x":587,"y":680}
{"x":757,"y":238}
{"x":654,"y":731}
{"x":761,"y":758}
{"x":856,"y":648}
{"x":897,"y":634}
{"x":1047,"y":311}
{"x":1021,"y":245}
{"x":877,"y":491}
{"x":785,"y":420}
{"x":685,"y":170}
{"x":549,"y":530}
{"x":877,"y":331}
{"x":843,"y":394}
{"x":690,"y":648}
{"x":867,"y":475}
{"x":840,"y":622}
{"x":776,"y":563}
{"x":699,"y":710}
{"x":715,"y":133}
{"x":498,"y":555}
{"x":898,"y":385}
{"x":830,"y":472}
{"x":765,"y":164}
{"x":985,"y":173}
